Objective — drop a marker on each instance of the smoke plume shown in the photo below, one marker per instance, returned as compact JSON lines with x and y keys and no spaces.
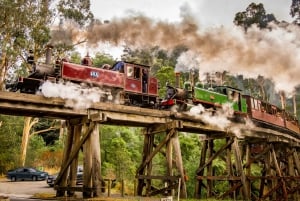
{"x":272,"y":53}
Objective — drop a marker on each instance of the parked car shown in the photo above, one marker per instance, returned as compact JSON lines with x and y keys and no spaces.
{"x":25,"y":173}
{"x":79,"y":179}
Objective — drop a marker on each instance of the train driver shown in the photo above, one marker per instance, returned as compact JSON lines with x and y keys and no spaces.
{"x":145,"y":80}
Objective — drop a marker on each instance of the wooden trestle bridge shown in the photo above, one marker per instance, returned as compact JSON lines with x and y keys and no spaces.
{"x":276,"y":153}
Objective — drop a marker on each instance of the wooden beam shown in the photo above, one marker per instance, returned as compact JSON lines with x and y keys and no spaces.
{"x":74,"y":152}
{"x":152,"y":154}
{"x":229,"y":142}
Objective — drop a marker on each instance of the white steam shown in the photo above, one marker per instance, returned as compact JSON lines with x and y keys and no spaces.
{"x":221,"y":118}
{"x":76,"y":96}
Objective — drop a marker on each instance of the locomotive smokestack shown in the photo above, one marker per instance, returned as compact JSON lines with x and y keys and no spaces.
{"x":282,"y":99}
{"x":177,"y":79}
{"x":192,"y":77}
{"x":48,"y":54}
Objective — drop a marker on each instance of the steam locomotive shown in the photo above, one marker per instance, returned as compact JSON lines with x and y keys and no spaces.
{"x":261,"y":113}
{"x":132,"y":85}
{"x":128,"y":82}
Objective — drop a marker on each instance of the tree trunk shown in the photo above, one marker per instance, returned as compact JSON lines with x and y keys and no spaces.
{"x":28,"y":123}
{"x":3,"y":67}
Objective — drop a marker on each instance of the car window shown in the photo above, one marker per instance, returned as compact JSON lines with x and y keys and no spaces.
{"x":31,"y":170}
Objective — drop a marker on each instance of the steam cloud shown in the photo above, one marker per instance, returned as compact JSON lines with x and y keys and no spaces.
{"x":272,"y":53}
{"x":76,"y":96}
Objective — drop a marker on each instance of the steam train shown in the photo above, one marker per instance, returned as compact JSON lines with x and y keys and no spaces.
{"x":261,"y":113}
{"x":128,"y":82}
{"x":132,"y":84}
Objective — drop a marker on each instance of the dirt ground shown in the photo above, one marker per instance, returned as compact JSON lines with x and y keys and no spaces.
{"x":41,"y":190}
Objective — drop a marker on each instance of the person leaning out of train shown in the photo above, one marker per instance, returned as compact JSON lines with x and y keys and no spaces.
{"x":119,"y":66}
{"x":145,"y":80}
{"x":30,"y":60}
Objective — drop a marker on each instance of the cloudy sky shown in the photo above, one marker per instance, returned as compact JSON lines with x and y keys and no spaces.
{"x":208,"y":12}
{"x":206,"y":28}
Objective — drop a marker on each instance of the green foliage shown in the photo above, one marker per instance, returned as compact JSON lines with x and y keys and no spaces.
{"x":49,"y":135}
{"x":101,"y":59}
{"x":75,"y":58}
{"x":121,"y":151}
{"x":165,"y":75}
{"x":10,"y":140}
{"x":77,"y":10}
{"x":34,"y":151}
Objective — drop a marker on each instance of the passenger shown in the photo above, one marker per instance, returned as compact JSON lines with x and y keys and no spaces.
{"x":106,"y":66}
{"x":171,"y":92}
{"x":119,"y":66}
{"x":145,"y":80}
{"x":30,"y":60}
{"x":87,"y":61}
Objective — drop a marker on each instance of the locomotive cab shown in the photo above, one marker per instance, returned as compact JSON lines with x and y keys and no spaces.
{"x":140,"y":88}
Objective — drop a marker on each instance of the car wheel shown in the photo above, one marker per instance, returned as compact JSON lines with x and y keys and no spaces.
{"x":34,"y":178}
{"x":13,"y":178}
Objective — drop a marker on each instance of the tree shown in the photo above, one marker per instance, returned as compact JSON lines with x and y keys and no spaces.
{"x":10,"y":140}
{"x":295,"y":10}
{"x":102,"y":58}
{"x":26,"y":25}
{"x":254,"y":14}
{"x":77,"y":10}
{"x":23,"y":26}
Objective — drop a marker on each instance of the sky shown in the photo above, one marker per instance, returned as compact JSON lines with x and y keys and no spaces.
{"x":208,"y":12}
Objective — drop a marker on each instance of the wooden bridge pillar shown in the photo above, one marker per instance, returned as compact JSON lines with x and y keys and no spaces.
{"x":259,"y":170}
{"x":84,"y":138}
{"x":169,"y":147}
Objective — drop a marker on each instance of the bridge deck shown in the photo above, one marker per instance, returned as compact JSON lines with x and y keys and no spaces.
{"x":19,"y":104}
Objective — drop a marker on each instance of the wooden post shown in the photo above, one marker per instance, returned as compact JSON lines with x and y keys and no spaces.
{"x":284,"y":190}
{"x":76,"y":130}
{"x":210,"y":168}
{"x":141,"y":170}
{"x":67,"y":150}
{"x":248,"y":168}
{"x":149,"y":163}
{"x":87,"y":167}
{"x":291,"y":171}
{"x":169,"y":160}
{"x":239,"y":167}
{"x":229,"y":168}
{"x":176,"y":144}
{"x":199,"y":182}
{"x":96,"y":162}
{"x":109,"y":187}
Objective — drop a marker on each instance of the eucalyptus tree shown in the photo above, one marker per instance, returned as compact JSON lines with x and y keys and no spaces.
{"x":254,"y":14}
{"x":28,"y":24}
{"x":295,"y":11}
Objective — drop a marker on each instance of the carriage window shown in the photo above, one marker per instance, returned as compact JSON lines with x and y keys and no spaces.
{"x":233,"y":95}
{"x":137,"y":73}
{"x":255,"y":104}
{"x":129,"y":71}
